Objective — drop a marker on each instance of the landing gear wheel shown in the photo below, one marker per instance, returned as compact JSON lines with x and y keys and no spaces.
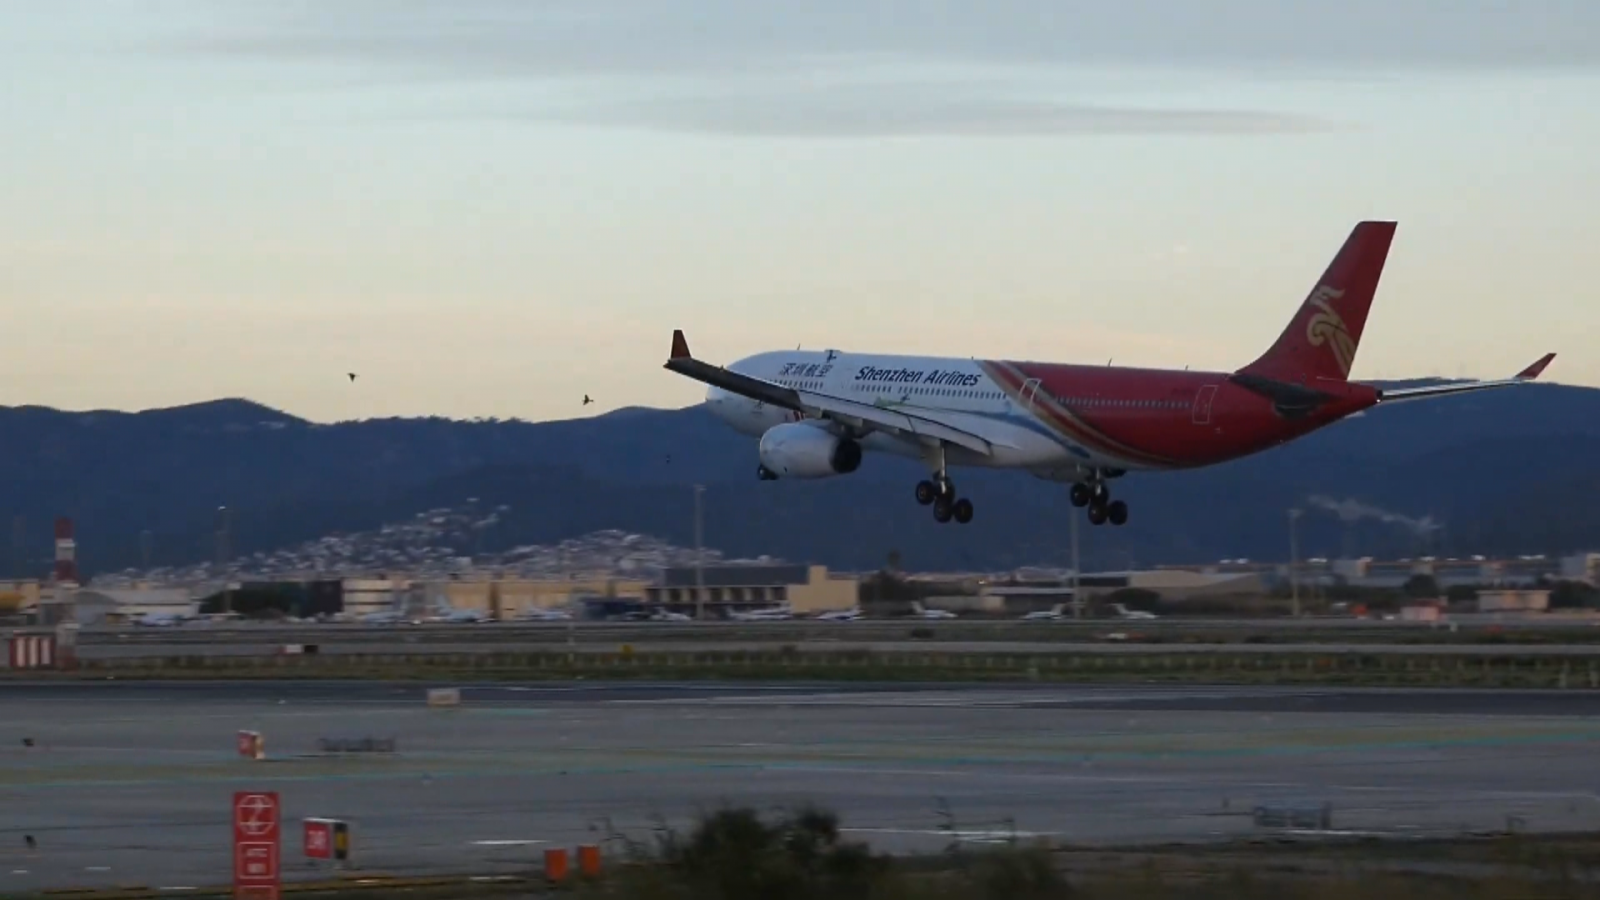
{"x":1117,"y":512}
{"x":942,"y":510}
{"x":765,"y":474}
{"x":1097,"y":514}
{"x":1080,"y":495}
{"x":926,"y":492}
{"x":962,"y":510}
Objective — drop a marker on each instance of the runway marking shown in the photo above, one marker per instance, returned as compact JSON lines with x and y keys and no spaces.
{"x":510,"y":842}
{"x":975,"y":837}
{"x":973,"y":700}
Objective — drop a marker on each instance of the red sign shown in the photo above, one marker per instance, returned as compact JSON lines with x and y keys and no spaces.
{"x":256,"y":817}
{"x":319,"y":839}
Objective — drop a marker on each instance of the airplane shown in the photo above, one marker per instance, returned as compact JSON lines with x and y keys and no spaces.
{"x":918,"y":611}
{"x":817,"y":413}
{"x":162,"y":620}
{"x":840,"y":615}
{"x":776,"y":614}
{"x":1053,"y":614}
{"x":542,"y":614}
{"x":445,"y":611}
{"x":383,"y":617}
{"x":1122,"y":612}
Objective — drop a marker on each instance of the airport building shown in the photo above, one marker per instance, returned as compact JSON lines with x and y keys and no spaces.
{"x":804,"y":590}
{"x":18,"y":597}
{"x":1514,"y":600}
{"x":1393,"y":574}
{"x":506,"y":598}
{"x":117,"y":606}
{"x":498,"y":596}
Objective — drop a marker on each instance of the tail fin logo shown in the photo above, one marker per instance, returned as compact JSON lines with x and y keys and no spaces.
{"x":1327,"y":327}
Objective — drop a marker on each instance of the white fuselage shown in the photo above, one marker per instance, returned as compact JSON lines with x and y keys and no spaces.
{"x":958,"y":389}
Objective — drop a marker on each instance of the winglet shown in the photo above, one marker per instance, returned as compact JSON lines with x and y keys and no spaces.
{"x":680,"y":345}
{"x":1537,"y":369}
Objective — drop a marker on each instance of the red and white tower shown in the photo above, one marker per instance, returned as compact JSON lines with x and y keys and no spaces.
{"x":66,"y":572}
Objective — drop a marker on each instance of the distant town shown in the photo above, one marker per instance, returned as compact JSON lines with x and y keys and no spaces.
{"x":430,"y":568}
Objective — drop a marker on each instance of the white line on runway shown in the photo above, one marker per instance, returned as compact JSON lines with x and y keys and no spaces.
{"x":507,"y":843}
{"x":987,"y":775}
{"x":936,"y":832}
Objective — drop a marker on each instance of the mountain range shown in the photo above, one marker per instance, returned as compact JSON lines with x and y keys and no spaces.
{"x":1499,"y":472}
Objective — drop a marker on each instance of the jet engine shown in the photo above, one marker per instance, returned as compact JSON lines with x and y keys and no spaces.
{"x":799,"y":450}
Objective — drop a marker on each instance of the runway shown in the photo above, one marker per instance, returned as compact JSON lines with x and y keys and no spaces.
{"x":130,"y":783}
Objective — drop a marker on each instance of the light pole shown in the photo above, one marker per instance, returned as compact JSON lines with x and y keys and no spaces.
{"x":19,"y":566}
{"x":223,"y":516}
{"x":1294,"y":562}
{"x":699,"y":556}
{"x":1077,"y":601}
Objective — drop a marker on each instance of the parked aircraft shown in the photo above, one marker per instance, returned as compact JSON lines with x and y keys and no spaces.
{"x":775,"y":614}
{"x":841,"y":615}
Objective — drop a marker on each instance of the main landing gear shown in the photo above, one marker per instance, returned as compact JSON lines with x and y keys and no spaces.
{"x":1097,"y":496}
{"x":940,"y":493}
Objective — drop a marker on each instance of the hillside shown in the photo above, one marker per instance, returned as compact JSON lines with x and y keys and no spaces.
{"x":1507,"y":471}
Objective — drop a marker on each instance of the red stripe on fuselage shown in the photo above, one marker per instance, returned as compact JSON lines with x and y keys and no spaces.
{"x":1071,"y":420}
{"x":1150,"y":417}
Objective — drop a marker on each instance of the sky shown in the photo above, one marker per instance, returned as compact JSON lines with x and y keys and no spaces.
{"x":495,"y":207}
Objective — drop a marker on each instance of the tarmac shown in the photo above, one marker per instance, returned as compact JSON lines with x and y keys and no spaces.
{"x":131,"y":783}
{"x":334,"y":646}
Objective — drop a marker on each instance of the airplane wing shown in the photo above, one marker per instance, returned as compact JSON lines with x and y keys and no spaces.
{"x":851,"y":413}
{"x":1436,"y":390}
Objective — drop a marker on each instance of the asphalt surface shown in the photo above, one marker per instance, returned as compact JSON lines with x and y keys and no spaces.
{"x":865,"y":629}
{"x":130,"y":783}
{"x":334,"y":646}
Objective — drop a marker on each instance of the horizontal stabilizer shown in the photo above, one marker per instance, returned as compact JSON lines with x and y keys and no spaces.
{"x":1526,"y":376}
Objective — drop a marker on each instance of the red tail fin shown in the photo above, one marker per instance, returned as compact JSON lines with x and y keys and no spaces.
{"x":1321,"y":341}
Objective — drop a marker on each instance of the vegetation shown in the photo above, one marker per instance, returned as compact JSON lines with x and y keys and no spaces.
{"x":734,"y":854}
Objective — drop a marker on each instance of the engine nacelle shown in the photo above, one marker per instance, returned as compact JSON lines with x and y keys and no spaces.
{"x":798,"y":450}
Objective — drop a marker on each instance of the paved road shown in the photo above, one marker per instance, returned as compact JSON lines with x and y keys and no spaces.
{"x":130,"y":782}
{"x":870,"y":629}
{"x":334,"y":646}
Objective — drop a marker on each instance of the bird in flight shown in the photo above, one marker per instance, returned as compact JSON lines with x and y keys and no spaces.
{"x":352,"y":376}
{"x":586,"y":400}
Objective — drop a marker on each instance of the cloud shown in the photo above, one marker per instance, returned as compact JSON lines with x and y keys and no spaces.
{"x":907,"y":111}
{"x":706,"y":36}
{"x":818,"y":67}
